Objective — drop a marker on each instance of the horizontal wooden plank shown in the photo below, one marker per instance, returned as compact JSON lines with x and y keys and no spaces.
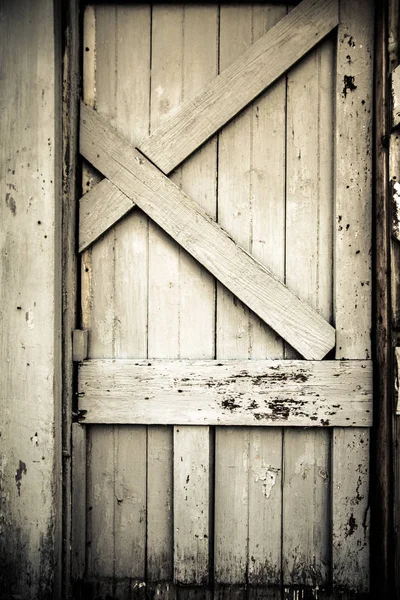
{"x":99,"y":210}
{"x":262,"y":64}
{"x":227,"y":392}
{"x":190,"y":226}
{"x":197,"y":120}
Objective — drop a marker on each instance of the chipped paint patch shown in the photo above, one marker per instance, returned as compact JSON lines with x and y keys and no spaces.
{"x":29,"y":319}
{"x":267,"y":475}
{"x":22,"y":470}
{"x":396,"y":209}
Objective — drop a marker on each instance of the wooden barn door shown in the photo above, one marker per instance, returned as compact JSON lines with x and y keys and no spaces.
{"x":221,"y":442}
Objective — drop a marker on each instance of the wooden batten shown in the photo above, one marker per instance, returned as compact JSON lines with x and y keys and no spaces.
{"x":218,"y":102}
{"x":189,"y":225}
{"x":294,"y":393}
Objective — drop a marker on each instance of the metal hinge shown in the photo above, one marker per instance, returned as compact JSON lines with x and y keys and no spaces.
{"x":80,"y":338}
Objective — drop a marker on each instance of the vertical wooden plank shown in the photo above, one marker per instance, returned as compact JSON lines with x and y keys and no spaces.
{"x":163,"y":302}
{"x":196,"y":322}
{"x":118,"y":302}
{"x":248,"y":462}
{"x":353,"y":206}
{"x":267,"y":246}
{"x":233,"y":336}
{"x":100,"y":498}
{"x":309,"y":272}
{"x":191,"y":504}
{"x":100,"y":519}
{"x":78,"y":502}
{"x":131,"y":92}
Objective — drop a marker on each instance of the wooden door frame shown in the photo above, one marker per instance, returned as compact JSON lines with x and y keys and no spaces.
{"x":383,"y":539}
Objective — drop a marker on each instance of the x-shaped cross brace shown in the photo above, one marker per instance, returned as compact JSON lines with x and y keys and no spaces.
{"x":132,"y":176}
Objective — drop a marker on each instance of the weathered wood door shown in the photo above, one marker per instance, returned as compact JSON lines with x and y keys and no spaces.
{"x":222,"y":436}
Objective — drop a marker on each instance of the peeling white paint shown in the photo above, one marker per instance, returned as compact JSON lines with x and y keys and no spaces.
{"x":396,"y":210}
{"x":266,"y":474}
{"x":29,"y":319}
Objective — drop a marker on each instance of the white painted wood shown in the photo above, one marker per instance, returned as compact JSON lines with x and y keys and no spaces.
{"x":240,"y":82}
{"x":78,"y":502}
{"x":163,"y":303}
{"x":353,"y":213}
{"x":99,"y":210}
{"x":309,"y":201}
{"x":117,"y":272}
{"x":196,"y":286}
{"x":30,"y":290}
{"x":395,"y":83}
{"x":191,"y":227}
{"x":187,"y":127}
{"x":191,"y":504}
{"x":101,"y":440}
{"x":80,"y":340}
{"x":252,"y":392}
{"x":267,"y":245}
{"x":244,"y":209}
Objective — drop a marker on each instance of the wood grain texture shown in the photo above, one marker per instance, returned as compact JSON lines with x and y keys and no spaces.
{"x":78,"y":501}
{"x":30,"y":290}
{"x":113,"y":271}
{"x":191,"y":504}
{"x":195,"y":231}
{"x":227,"y":392}
{"x":309,"y":201}
{"x":353,"y":214}
{"x":224,"y":97}
{"x":195,"y":292}
{"x":70,"y":301}
{"x":385,"y":466}
{"x":99,"y":210}
{"x":267,"y":208}
{"x":395,"y":106}
{"x":238,"y":84}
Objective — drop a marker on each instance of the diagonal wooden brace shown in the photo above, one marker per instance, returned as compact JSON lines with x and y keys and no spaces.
{"x":190,"y":226}
{"x":197,"y":120}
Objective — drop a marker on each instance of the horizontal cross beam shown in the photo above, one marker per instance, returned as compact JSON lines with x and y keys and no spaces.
{"x":190,"y":226}
{"x":235,"y":392}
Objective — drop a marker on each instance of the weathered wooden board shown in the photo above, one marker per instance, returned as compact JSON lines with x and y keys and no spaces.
{"x":395,"y":81}
{"x":238,"y":84}
{"x":114,"y":269}
{"x":203,"y":238}
{"x":267,"y":179}
{"x":189,"y":313}
{"x":237,"y":392}
{"x":30,"y":290}
{"x":253,"y":213}
{"x":353,"y":214}
{"x":100,"y":209}
{"x":197,"y":120}
{"x":309,"y":253}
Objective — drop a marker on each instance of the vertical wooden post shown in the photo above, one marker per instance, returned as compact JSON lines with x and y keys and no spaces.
{"x":30,"y":347}
{"x":382,"y":498}
{"x":70,"y":107}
